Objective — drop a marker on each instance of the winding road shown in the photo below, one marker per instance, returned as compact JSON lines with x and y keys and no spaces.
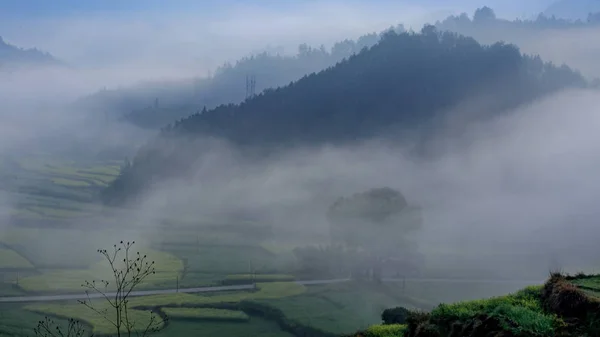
{"x":83,"y":296}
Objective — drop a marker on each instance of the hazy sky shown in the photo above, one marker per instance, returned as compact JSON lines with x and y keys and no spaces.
{"x":200,"y":34}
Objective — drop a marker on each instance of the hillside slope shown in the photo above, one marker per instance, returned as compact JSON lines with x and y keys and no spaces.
{"x":563,"y":306}
{"x":405,"y":82}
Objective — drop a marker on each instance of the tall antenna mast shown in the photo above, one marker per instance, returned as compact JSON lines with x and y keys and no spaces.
{"x":250,"y":86}
{"x":247,"y":87}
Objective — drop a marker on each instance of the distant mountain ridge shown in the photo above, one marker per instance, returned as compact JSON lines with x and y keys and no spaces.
{"x":404,"y":83}
{"x":573,"y":9}
{"x":13,"y":55}
{"x":158,"y":104}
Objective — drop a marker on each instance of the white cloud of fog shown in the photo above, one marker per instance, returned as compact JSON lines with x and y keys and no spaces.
{"x":526,"y":182}
{"x":574,"y":47}
{"x":535,"y":169}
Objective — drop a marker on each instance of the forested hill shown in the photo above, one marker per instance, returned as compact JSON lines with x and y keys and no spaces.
{"x":485,"y":19}
{"x":402,"y":82}
{"x":154,"y":105}
{"x":14,"y":56}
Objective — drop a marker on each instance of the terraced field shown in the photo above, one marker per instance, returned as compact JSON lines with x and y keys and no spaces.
{"x":168,"y":269}
{"x":58,"y":227}
{"x":206,"y":314}
{"x":590,"y":284}
{"x":265,"y":291}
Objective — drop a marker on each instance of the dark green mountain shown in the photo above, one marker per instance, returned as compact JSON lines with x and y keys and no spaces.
{"x":405,"y":82}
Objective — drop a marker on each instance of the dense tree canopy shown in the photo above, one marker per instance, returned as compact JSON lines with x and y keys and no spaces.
{"x":406,"y":81}
{"x":377,"y":223}
{"x":375,"y":220}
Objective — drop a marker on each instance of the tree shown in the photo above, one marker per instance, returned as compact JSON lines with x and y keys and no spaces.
{"x":48,"y":328}
{"x":376,"y":222}
{"x":322,"y":262}
{"x":129,"y":270}
{"x":484,"y":14}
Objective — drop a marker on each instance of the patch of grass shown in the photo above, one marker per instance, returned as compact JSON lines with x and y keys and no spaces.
{"x":206,"y":314}
{"x":16,"y":322}
{"x":391,"y":330}
{"x":11,"y":259}
{"x":255,"y":327}
{"x":70,"y":182}
{"x":528,"y":298}
{"x":590,"y":283}
{"x":265,"y":291}
{"x":521,"y":314}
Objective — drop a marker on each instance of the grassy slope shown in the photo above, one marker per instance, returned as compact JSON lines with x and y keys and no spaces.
{"x":564,"y":306}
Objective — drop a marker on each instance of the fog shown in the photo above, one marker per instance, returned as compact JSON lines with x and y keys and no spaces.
{"x":512,"y":193}
{"x":502,"y":198}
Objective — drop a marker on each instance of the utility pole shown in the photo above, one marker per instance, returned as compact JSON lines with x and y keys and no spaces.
{"x":250,"y":86}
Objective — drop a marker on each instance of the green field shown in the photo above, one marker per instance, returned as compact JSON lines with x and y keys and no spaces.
{"x":16,"y":322}
{"x":168,"y":269}
{"x":75,"y":310}
{"x":206,"y":314}
{"x":54,"y":250}
{"x":339,"y":308}
{"x":255,"y":327}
